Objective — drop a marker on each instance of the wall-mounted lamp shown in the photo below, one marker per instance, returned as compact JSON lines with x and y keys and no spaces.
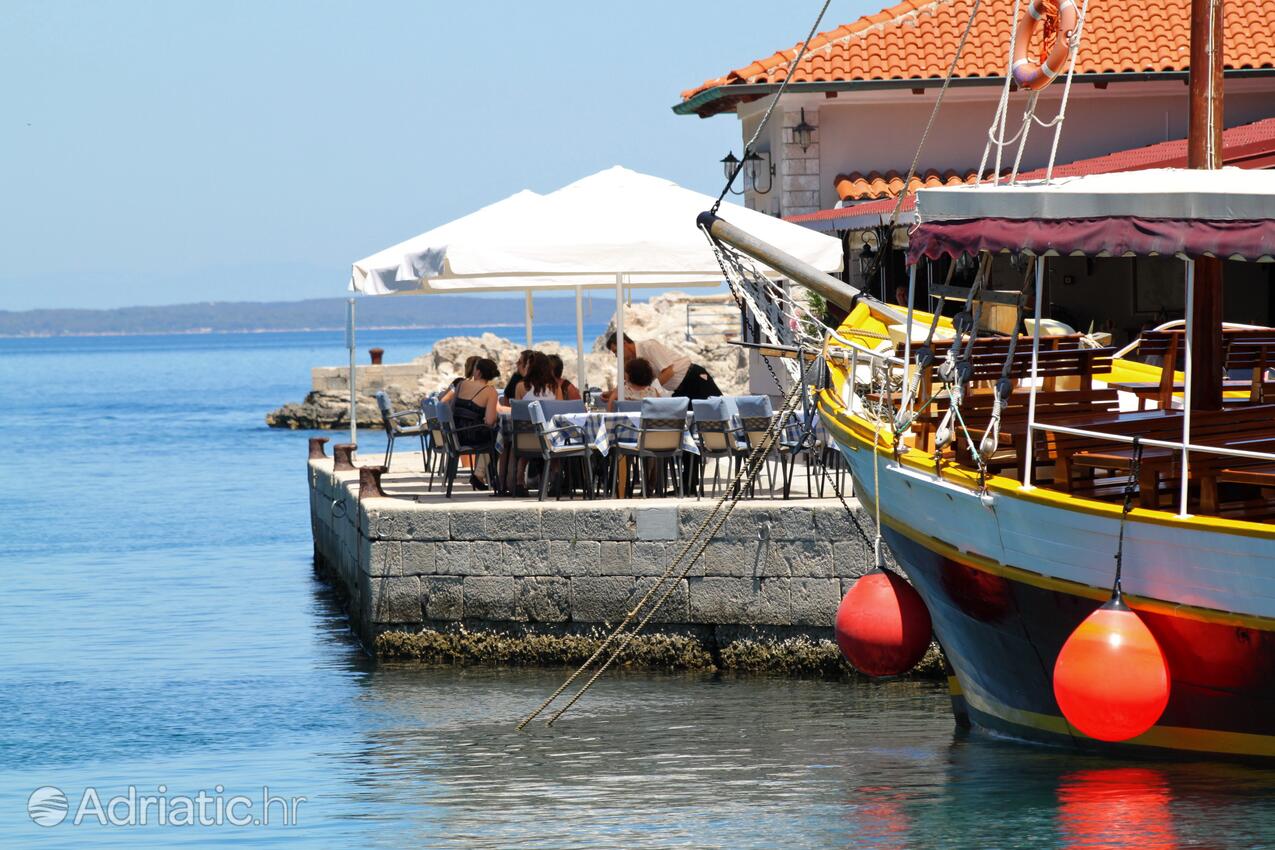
{"x":758,"y":170}
{"x":802,"y":132}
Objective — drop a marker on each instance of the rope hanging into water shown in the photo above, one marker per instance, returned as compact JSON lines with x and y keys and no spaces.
{"x":730,"y":181}
{"x":686,"y":558}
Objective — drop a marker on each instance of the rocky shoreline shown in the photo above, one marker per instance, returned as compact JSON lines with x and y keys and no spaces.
{"x":327,"y":405}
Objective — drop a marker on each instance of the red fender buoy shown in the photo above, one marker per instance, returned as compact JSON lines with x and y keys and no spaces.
{"x":882,"y":626}
{"x":1111,"y":679}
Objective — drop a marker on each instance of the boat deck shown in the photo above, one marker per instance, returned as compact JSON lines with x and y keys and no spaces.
{"x":1084,"y":389}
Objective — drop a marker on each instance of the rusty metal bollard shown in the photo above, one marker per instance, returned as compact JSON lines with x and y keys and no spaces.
{"x":316,"y":447}
{"x":370,"y":482}
{"x":343,"y":457}
{"x":376,"y":354}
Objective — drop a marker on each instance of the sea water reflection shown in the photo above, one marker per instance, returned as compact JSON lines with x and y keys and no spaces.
{"x":161,"y":624}
{"x":667,"y":760}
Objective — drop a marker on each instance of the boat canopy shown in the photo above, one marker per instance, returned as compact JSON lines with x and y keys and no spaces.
{"x":1227,"y":213}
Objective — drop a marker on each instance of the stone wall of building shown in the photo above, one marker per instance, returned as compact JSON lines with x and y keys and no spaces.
{"x":776,"y":567}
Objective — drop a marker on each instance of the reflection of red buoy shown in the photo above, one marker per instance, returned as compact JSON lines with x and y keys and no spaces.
{"x":882,"y":625}
{"x":1116,"y":807}
{"x":1111,"y":680}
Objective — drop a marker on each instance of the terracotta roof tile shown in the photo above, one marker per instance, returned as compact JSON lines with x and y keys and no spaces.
{"x":916,"y":39}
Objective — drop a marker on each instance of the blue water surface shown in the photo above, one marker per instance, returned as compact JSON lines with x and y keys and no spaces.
{"x":161,"y":626}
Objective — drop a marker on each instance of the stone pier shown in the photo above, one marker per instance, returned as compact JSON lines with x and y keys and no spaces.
{"x":415,"y":563}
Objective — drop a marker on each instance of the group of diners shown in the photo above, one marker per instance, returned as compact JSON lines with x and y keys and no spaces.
{"x":652,"y":370}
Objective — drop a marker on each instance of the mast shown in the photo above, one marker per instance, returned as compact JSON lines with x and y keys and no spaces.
{"x":1204,"y":150}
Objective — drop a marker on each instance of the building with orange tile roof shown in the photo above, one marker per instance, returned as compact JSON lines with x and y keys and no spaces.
{"x":867,"y":88}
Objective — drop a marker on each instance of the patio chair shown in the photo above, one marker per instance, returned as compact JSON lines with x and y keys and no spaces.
{"x":558,"y":452}
{"x":717,"y":439}
{"x":521,"y":444}
{"x":659,"y":438}
{"x":755,"y":415}
{"x":456,"y":446}
{"x":434,"y":440}
{"x":396,"y":425}
{"x":554,"y":408}
{"x":797,"y":438}
{"x":628,"y":406}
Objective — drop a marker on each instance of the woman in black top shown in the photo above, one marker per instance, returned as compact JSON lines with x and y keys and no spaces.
{"x":473,"y":403}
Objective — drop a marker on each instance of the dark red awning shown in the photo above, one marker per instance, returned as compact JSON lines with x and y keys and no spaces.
{"x":1094,"y":237}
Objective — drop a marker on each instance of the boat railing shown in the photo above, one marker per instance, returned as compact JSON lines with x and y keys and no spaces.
{"x":1184,"y":447}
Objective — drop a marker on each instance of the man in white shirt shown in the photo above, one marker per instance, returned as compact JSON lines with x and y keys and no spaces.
{"x":673,"y":371}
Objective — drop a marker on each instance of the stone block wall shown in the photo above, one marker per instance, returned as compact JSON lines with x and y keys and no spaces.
{"x":408,"y":565}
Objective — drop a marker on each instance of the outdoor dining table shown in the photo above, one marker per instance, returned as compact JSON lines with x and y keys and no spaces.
{"x":600,"y":429}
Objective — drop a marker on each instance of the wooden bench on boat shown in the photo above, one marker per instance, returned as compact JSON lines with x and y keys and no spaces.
{"x":1237,"y":427}
{"x":1061,"y":360}
{"x":1250,"y":350}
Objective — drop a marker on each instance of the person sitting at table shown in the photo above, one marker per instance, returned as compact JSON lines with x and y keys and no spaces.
{"x":520,"y":369}
{"x":466,"y":372}
{"x":473,"y":403}
{"x":538,"y":382}
{"x":674,"y":372}
{"x":639,"y":382}
{"x":567,"y":391}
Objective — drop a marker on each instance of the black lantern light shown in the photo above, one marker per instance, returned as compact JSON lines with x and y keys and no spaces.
{"x":802,"y":132}
{"x":759,"y":169}
{"x":729,"y":163}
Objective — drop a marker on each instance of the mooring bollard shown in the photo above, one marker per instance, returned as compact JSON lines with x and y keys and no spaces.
{"x":316,"y":447}
{"x":370,"y":482}
{"x":376,"y":354}
{"x":343,"y":457}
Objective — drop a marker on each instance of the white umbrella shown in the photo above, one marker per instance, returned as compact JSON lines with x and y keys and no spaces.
{"x":379,"y":273}
{"x":618,"y":225}
{"x":616,"y":222}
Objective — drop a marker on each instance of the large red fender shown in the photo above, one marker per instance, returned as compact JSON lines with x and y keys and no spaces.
{"x":882,"y":626}
{"x":1111,"y":679}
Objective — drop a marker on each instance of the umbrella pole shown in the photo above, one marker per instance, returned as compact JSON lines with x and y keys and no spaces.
{"x":349,"y":343}
{"x":619,"y":336}
{"x":580,"y":376}
{"x":528,"y":315}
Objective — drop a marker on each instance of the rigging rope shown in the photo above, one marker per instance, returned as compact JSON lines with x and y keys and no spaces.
{"x":728,"y":499}
{"x":730,"y":181}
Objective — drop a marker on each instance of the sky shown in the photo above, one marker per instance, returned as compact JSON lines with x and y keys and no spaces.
{"x":162,"y":153}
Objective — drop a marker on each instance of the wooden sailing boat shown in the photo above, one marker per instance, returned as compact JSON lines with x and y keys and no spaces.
{"x":1010,"y":540}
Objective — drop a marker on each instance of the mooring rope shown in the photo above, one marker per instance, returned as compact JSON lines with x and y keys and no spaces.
{"x":731,"y":496}
{"x":728,"y":500}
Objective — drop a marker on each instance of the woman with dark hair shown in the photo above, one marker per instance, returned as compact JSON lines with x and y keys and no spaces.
{"x":537,"y":383}
{"x":473,"y":403}
{"x":466,"y":372}
{"x":567,"y":391}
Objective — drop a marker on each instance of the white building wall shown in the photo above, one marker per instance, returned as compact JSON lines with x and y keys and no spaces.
{"x":880,"y":131}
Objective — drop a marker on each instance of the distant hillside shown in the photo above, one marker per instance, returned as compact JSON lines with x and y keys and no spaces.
{"x":315,"y":314}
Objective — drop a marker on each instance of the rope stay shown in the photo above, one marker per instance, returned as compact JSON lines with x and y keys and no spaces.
{"x":997,"y":130}
{"x":1005,"y":385}
{"x":774,"y":101}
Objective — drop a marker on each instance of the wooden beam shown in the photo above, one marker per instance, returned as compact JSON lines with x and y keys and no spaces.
{"x":1204,"y":150}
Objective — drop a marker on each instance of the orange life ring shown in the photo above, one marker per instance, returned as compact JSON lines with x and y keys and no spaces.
{"x":1028,"y":74}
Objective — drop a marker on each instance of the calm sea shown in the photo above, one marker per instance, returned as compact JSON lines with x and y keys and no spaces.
{"x":161,"y":629}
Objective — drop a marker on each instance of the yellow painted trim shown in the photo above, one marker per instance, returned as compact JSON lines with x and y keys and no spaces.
{"x":852,"y":427}
{"x":1162,"y":737}
{"x":1018,"y":574}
